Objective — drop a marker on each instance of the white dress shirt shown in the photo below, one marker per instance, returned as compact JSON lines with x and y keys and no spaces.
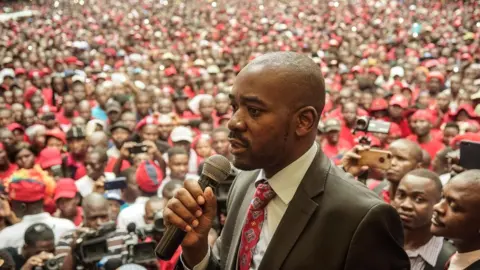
{"x":85,"y":184}
{"x":134,"y":213}
{"x":461,"y":261}
{"x":13,"y":236}
{"x":285,"y":184}
{"x":426,"y":254}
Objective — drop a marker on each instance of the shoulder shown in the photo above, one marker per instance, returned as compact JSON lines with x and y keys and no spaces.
{"x":344,"y":194}
{"x":63,"y":223}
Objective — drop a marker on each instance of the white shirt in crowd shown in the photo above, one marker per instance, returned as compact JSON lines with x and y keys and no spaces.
{"x":167,"y":179}
{"x":461,"y":261}
{"x":285,"y":184}
{"x":192,"y":162}
{"x":133,"y":213}
{"x":85,"y":184}
{"x":13,"y":236}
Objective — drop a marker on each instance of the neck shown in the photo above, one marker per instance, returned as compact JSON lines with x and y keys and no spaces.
{"x":34,"y":211}
{"x":392,"y":189}
{"x":68,"y":114}
{"x":296,"y":154}
{"x":62,"y":215}
{"x":416,"y":238}
{"x":3,"y":223}
{"x":467,"y":246}
{"x":425,"y":138}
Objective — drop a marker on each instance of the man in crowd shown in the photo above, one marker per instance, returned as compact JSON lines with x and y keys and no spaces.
{"x":77,"y":150}
{"x":422,"y":130}
{"x":149,"y":177}
{"x":39,"y":246}
{"x":334,"y":146}
{"x":67,"y":200}
{"x":417,"y":193}
{"x":27,"y":196}
{"x":220,"y":142}
{"x":456,"y":217}
{"x":95,"y":208}
{"x":95,"y":163}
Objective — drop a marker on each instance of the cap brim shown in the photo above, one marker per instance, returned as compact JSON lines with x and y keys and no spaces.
{"x":51,"y":162}
{"x":180,"y":139}
{"x":65,"y":194}
{"x":332,"y":129}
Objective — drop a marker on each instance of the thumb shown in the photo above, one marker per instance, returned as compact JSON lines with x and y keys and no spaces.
{"x":210,"y":206}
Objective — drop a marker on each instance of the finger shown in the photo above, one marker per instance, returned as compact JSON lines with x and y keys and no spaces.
{"x":195,"y":190}
{"x":210,"y":207}
{"x":364,"y":168}
{"x":353,"y":155}
{"x":188,"y":201}
{"x":170,"y":218}
{"x":183,"y":212}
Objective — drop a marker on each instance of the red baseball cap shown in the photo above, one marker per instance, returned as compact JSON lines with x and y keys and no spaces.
{"x":422,"y":115}
{"x":66,"y":188}
{"x":469,"y":136}
{"x":378,"y":104}
{"x":149,"y":120}
{"x":49,"y":157}
{"x":26,"y":190}
{"x":56,"y":133}
{"x":399,"y":100}
{"x":149,"y":176}
{"x":15,"y":126}
{"x":436,"y":75}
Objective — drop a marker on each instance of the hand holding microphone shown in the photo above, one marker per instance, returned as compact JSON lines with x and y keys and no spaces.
{"x":190,"y":213}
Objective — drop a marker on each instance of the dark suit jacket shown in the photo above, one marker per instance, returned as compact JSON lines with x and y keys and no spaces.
{"x":333,"y":222}
{"x":474,"y":266}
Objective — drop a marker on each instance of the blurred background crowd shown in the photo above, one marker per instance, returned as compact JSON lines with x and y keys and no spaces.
{"x":106,"y":107}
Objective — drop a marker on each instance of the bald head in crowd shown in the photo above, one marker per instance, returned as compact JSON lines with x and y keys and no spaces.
{"x":95,"y":210}
{"x":98,"y":139}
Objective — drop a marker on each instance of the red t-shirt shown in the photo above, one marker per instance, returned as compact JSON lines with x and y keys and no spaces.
{"x":335,"y":152}
{"x":111,"y":163}
{"x":5,"y":174}
{"x":432,"y":147}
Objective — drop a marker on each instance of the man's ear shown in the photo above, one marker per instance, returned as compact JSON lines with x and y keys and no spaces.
{"x":306,"y":119}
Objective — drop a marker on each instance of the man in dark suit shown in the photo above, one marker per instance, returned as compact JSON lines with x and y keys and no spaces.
{"x":290,"y":208}
{"x":457,"y":218}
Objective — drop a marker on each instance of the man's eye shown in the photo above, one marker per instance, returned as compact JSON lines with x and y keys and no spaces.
{"x":253,"y":112}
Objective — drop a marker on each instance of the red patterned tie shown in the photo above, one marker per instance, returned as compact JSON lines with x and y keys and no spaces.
{"x":253,"y":224}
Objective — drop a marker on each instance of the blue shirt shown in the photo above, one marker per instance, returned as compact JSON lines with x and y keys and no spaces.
{"x":99,"y":113}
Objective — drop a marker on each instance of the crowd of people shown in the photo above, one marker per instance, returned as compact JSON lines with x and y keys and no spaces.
{"x":106,"y":107}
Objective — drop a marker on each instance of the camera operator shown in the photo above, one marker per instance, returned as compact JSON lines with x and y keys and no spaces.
{"x":39,"y":246}
{"x":95,"y":211}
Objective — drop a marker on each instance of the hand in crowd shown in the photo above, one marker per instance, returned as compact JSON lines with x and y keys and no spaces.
{"x":99,"y":185}
{"x":125,"y":150}
{"x":350,"y":160}
{"x":37,"y":260}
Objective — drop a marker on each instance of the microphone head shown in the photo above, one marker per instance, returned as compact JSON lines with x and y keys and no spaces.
{"x":131,"y":227}
{"x":217,"y":167}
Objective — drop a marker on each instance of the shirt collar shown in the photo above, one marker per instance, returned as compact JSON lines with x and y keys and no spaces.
{"x":36,"y":216}
{"x":464,"y":260}
{"x":286,"y":181}
{"x":429,"y":252}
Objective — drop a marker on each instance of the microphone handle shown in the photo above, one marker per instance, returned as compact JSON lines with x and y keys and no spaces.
{"x":173,"y":236}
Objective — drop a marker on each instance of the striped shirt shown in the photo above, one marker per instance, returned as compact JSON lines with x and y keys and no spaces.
{"x":116,"y":241}
{"x":426,"y":254}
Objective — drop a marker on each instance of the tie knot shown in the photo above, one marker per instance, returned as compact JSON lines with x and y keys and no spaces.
{"x":263,"y":195}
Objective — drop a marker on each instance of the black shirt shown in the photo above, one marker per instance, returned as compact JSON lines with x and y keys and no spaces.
{"x":18,"y":259}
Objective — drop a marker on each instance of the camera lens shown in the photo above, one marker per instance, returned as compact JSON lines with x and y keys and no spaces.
{"x":382,"y":160}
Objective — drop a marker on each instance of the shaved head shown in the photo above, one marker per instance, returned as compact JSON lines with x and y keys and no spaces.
{"x":98,"y":139}
{"x":296,"y":75}
{"x":414,"y":149}
{"x":94,"y":201}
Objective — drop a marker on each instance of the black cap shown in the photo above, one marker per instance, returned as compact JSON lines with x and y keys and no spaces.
{"x":75,"y":133}
{"x":119,"y":124}
{"x":179,"y":95}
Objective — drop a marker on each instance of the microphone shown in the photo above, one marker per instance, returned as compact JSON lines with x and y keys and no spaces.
{"x":131,"y":227}
{"x":215,"y":170}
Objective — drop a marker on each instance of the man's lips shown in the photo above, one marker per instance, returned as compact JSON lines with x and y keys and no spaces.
{"x":236,"y":143}
{"x":436,"y":221}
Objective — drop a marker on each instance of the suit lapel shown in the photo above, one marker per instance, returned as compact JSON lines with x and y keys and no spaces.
{"x":298,"y":213}
{"x":240,"y":220}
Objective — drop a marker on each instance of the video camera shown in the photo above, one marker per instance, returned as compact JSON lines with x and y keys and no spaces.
{"x":92,"y":245}
{"x":144,"y":252}
{"x":367,"y":124}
